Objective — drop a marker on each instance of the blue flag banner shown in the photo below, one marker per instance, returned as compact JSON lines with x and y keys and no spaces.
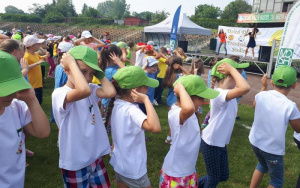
{"x":173,"y":35}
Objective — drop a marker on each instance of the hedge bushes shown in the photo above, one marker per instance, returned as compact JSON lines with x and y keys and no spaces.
{"x":20,"y":18}
{"x":89,"y":21}
{"x":54,"y":18}
{"x":214,"y":23}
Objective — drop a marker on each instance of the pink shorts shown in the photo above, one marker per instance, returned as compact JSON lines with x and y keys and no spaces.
{"x":166,"y":181}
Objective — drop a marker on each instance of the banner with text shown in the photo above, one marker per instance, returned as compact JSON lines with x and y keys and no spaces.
{"x":290,"y":46}
{"x":236,"y":41}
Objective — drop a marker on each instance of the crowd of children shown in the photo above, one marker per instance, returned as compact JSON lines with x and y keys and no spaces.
{"x":98,"y":90}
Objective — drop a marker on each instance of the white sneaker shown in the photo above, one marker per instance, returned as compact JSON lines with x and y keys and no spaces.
{"x":252,"y":57}
{"x":155,"y":103}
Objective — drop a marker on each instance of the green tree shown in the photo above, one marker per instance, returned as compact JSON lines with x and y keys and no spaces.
{"x":66,"y":7}
{"x":234,"y":8}
{"x":159,"y":16}
{"x":115,"y":9}
{"x":84,"y":8}
{"x":54,"y":17}
{"x":144,"y":15}
{"x":91,"y":12}
{"x":206,"y":11}
{"x":13,"y":10}
{"x":40,"y":10}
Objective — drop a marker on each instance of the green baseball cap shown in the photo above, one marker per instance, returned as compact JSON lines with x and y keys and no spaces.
{"x":89,"y":57}
{"x":194,"y":85}
{"x":11,"y":78}
{"x":122,"y":45}
{"x":284,"y":76}
{"x":17,"y":37}
{"x":215,"y":72}
{"x":133,"y":77}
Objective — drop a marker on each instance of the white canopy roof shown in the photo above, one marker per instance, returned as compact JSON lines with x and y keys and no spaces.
{"x":185,"y":26}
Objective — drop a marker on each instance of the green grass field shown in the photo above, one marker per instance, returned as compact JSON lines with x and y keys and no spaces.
{"x":43,"y":168}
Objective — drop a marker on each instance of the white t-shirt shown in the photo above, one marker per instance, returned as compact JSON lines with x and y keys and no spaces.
{"x":222,"y":119}
{"x":82,"y":135}
{"x":139,"y":58}
{"x":182,"y":157}
{"x":297,"y":136}
{"x":129,"y":156}
{"x":273,"y":111}
{"x":12,"y":147}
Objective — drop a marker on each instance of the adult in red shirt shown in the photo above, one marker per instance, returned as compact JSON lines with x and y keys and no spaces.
{"x":222,"y":37}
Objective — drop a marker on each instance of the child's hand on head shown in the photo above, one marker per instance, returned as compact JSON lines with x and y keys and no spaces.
{"x":26,"y":95}
{"x":225,"y":68}
{"x":115,"y":58}
{"x":66,"y":60}
{"x":178,"y":87}
{"x":24,"y":64}
{"x":138,"y":97}
{"x":176,"y":66}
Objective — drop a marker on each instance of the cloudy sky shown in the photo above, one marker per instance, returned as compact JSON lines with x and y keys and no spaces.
{"x":188,"y":6}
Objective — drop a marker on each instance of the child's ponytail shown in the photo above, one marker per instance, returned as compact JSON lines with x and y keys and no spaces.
{"x":213,"y":81}
{"x":120,"y":92}
{"x":105,"y":52}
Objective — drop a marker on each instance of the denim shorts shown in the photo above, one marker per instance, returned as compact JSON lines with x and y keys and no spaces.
{"x":271,"y":163}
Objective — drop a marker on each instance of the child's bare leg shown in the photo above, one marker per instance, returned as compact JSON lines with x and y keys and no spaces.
{"x":256,"y":178}
{"x":122,"y":185}
{"x":246,"y":51}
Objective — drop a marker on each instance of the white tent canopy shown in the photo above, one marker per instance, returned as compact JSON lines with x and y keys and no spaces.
{"x":185,"y":27}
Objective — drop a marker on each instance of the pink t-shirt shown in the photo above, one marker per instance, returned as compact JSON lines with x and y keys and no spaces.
{"x":91,"y":45}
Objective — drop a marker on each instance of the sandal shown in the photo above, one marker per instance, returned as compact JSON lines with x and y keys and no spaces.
{"x":168,"y":141}
{"x":29,"y":153}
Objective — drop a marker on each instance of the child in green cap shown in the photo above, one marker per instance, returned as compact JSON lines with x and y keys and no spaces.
{"x":273,"y":112}
{"x":128,"y":123}
{"x":227,"y":79}
{"x":20,"y":112}
{"x":178,"y":169}
{"x":82,"y":135}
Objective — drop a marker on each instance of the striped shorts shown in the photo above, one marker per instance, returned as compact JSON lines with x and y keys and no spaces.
{"x":94,"y":175}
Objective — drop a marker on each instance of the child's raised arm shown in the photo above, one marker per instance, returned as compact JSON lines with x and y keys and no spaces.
{"x":152,"y":123}
{"x":39,"y":126}
{"x":81,"y":87}
{"x":295,"y":125}
{"x":242,"y":86}
{"x":107,"y":90}
{"x":264,"y":85}
{"x":186,"y":103}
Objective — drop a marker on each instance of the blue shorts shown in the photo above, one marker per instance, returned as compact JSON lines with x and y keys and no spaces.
{"x":271,"y":163}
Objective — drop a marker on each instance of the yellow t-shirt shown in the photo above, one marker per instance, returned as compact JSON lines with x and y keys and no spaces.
{"x":34,"y":74}
{"x":55,"y":50}
{"x":162,"y":66}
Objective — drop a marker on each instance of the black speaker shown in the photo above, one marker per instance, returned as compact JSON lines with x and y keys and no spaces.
{"x":183,"y":45}
{"x":264,"y":53}
{"x":213,"y":44}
